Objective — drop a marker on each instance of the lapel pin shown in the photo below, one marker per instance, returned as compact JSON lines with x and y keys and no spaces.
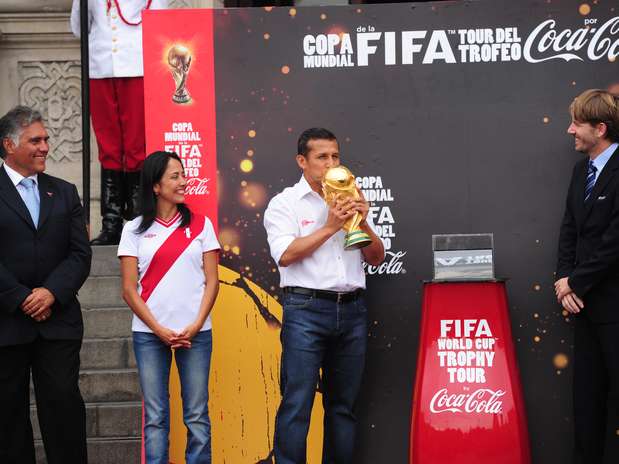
{"x":50,"y":194}
{"x":187,"y":232}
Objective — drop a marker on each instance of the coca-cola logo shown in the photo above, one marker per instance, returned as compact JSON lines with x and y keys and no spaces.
{"x":546,"y":43}
{"x":481,"y":401}
{"x":197,"y":186}
{"x":391,"y":265}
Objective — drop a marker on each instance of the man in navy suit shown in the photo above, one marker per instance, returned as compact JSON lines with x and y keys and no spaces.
{"x":44,"y":260}
{"x":588,"y":275}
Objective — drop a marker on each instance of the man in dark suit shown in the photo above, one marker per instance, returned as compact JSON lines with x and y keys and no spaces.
{"x":588,"y":275}
{"x":44,"y":260}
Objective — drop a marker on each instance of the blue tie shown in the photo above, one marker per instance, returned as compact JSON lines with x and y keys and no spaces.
{"x":31,"y":197}
{"x":590,"y":179}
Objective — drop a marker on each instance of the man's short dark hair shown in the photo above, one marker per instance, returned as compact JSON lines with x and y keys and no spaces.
{"x":596,"y":106}
{"x":13,"y":123}
{"x":315,"y":133}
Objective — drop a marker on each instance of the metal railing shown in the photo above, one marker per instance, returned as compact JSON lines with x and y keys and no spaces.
{"x":85,"y":111}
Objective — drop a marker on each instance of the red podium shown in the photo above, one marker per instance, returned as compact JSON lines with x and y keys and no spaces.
{"x":468,"y":405}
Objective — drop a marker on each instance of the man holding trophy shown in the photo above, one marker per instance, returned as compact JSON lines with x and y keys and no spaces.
{"x":325,"y":320}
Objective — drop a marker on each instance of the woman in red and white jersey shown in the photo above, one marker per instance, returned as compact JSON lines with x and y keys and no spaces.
{"x":169,"y":277}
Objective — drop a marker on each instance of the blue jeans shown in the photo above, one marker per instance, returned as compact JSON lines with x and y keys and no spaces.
{"x":319,"y":333}
{"x":154,"y":359}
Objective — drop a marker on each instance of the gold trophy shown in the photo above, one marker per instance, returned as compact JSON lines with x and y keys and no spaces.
{"x":339,"y":183}
{"x":179,"y":60}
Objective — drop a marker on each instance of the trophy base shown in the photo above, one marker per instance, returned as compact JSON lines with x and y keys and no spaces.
{"x":357,"y":239}
{"x":182,"y":98}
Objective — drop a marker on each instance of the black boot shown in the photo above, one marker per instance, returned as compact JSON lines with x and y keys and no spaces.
{"x":131,"y":195}
{"x":111,"y":208}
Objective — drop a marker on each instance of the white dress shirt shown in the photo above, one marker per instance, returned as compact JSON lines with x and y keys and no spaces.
{"x":115,"y":48}
{"x":16,"y":178}
{"x":297,"y":212}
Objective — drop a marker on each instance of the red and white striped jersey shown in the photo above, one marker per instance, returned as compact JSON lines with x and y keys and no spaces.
{"x":170,"y":269}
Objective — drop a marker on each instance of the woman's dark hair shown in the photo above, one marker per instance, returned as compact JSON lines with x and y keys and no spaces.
{"x":152,"y":172}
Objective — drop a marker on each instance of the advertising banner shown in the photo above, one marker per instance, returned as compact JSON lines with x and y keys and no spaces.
{"x":453,"y":117}
{"x":179,"y":86}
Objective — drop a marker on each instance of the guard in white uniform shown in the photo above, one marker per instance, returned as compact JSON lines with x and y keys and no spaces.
{"x":116,"y":103}
{"x":325,"y":321}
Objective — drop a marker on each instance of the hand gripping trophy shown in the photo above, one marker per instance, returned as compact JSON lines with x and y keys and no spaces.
{"x":179,"y":60}
{"x":339,"y":183}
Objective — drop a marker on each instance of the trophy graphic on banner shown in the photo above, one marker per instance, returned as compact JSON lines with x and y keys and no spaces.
{"x":179,"y":60}
{"x":339,"y":183}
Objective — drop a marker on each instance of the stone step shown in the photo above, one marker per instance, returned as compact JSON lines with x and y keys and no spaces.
{"x":105,"y":420}
{"x":119,"y":419}
{"x":111,"y":353}
{"x":107,"y":322}
{"x":105,"y":451}
{"x":101,"y":292}
{"x":105,"y":386}
{"x":104,"y":261}
{"x":112,"y":385}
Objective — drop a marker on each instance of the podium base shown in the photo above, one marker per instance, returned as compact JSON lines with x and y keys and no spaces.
{"x":468,"y":405}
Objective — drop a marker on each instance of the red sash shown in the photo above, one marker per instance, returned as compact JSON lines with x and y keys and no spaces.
{"x":168,"y":253}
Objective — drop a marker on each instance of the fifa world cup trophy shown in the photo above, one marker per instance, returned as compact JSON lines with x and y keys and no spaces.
{"x":339,"y":183}
{"x":179,"y":60}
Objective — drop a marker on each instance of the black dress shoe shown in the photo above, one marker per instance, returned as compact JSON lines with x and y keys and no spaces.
{"x":106,"y":237}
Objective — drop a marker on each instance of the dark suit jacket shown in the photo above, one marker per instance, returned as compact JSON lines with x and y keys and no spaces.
{"x":55,"y":256}
{"x":589,"y":241}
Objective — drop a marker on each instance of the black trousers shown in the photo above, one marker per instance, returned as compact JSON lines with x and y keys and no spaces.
{"x":60,"y":407}
{"x":596,"y":392}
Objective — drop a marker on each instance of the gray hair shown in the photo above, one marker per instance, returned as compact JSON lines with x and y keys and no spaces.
{"x":13,"y":123}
